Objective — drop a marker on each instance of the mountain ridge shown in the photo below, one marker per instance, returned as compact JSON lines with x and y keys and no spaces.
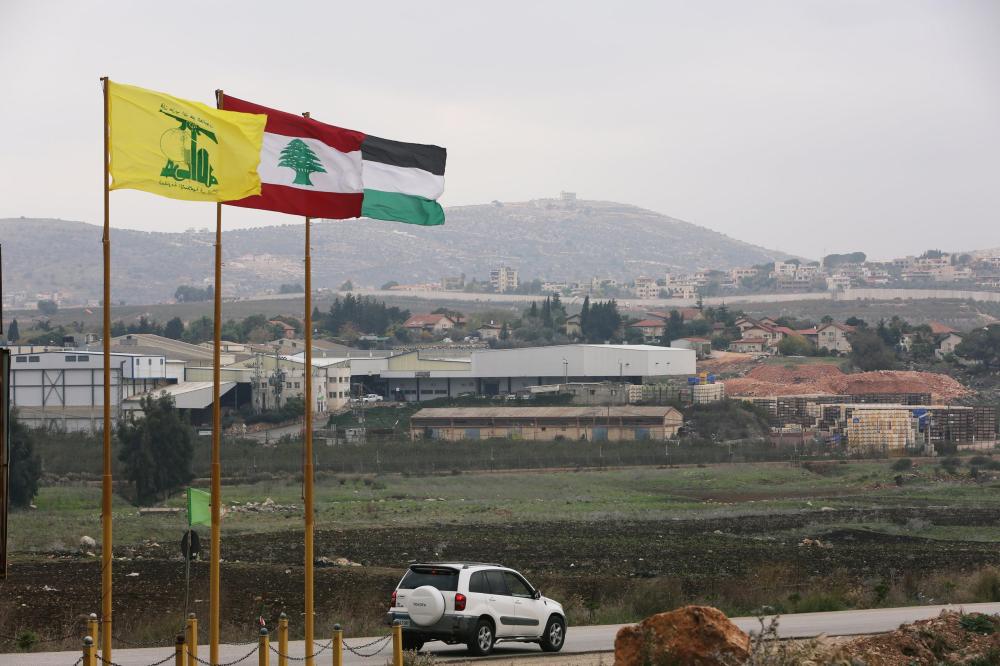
{"x":546,"y":238}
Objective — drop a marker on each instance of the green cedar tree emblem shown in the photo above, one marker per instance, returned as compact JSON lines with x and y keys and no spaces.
{"x":297,"y":155}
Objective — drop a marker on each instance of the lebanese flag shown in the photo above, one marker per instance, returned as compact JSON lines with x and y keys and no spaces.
{"x":318,"y":170}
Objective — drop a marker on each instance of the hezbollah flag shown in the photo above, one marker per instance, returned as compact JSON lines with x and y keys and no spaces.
{"x":313,"y":169}
{"x":181,"y":149}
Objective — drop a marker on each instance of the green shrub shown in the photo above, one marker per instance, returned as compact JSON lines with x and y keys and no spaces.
{"x":26,"y":640}
{"x":902,"y":465}
{"x":978,"y":623}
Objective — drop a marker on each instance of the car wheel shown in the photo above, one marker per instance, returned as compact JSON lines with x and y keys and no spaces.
{"x":412,"y":642}
{"x":481,"y":642}
{"x":555,"y":634}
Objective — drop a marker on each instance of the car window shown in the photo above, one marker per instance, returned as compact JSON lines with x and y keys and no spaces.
{"x":517,"y":586}
{"x":443,"y":579}
{"x":497,"y":583}
{"x":478,"y":583}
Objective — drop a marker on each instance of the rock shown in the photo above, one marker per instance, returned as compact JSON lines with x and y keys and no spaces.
{"x":692,"y":635}
{"x":87,"y":544}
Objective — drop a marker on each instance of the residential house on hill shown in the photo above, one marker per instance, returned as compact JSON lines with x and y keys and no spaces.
{"x":489,"y":331}
{"x":749,"y":346}
{"x":432,"y":323}
{"x":833,"y":337}
{"x":651,"y":329}
{"x":946,"y":344}
{"x":572,"y":326}
{"x":287,"y":330}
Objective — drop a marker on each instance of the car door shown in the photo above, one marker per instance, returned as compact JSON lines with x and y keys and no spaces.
{"x":502,"y":604}
{"x":527,"y":611}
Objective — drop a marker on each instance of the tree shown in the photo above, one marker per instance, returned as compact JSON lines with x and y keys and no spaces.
{"x":289,"y":288}
{"x":25,"y":465}
{"x":869,"y":351}
{"x":188,"y":294}
{"x":347,"y":286}
{"x":389,"y":285}
{"x":156,"y":450}
{"x":983,"y":345}
{"x":795,"y":345}
{"x":48,"y":307}
{"x":504,"y":332}
{"x":299,"y":156}
{"x":13,"y":334}
{"x":199,"y":330}
{"x":174,"y":329}
{"x":585,"y":314}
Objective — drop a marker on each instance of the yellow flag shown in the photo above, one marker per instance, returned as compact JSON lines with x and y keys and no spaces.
{"x":181,"y":149}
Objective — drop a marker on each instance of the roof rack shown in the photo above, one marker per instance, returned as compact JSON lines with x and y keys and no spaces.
{"x":465,"y":565}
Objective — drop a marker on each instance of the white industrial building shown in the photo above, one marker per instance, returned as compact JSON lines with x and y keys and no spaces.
{"x":425,"y":375}
{"x":65,"y":388}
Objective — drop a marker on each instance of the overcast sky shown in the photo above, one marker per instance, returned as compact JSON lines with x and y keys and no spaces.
{"x":806,"y":126}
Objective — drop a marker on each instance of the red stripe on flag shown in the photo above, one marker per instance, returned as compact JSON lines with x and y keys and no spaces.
{"x":289,"y":124}
{"x":296,"y":201}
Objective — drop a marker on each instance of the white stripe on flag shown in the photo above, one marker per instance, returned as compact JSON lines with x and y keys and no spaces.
{"x":343,"y":170}
{"x":404,"y":180}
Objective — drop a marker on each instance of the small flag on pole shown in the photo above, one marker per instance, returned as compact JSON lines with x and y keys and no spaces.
{"x":181,"y":149}
{"x":313,"y":169}
{"x":199,"y":507}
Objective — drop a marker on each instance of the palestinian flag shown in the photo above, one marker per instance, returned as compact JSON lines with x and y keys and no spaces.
{"x":313,"y":169}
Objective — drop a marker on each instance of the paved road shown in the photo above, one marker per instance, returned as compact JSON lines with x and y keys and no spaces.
{"x":579,"y":639}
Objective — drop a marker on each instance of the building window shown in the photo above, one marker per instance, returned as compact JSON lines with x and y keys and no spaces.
{"x":298,"y":385}
{"x":83,"y":358}
{"x":71,"y":359}
{"x":161,"y":361}
{"x":21,"y":359}
{"x":288,"y":385}
{"x":34,"y":359}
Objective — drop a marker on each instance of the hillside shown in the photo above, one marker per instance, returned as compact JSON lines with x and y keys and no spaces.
{"x":543,"y":238}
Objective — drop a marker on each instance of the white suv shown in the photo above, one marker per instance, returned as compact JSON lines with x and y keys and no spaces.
{"x":476,"y":604}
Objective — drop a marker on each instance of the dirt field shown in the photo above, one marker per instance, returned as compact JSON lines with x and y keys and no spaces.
{"x":735,"y":563}
{"x":822,"y":378}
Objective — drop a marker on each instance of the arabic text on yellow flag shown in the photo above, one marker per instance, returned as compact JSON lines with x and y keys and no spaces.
{"x":181,"y":149}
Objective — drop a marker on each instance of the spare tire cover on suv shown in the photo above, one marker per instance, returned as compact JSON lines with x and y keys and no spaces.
{"x":426,"y":605}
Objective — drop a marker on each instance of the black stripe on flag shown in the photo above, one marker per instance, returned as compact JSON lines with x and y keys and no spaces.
{"x":398,"y":153}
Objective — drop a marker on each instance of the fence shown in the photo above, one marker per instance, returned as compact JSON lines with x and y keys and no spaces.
{"x":186,"y":648}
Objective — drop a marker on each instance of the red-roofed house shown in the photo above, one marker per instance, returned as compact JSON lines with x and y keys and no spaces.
{"x":937,"y":328}
{"x":287,"y":330}
{"x":432,"y":323}
{"x":650,"y":328}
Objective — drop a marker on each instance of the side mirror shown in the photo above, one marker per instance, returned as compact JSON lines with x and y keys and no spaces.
{"x":537,"y":594}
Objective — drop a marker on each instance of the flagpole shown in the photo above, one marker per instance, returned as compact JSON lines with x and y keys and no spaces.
{"x":106,"y":487}
{"x":215,"y":551}
{"x":307,"y":471}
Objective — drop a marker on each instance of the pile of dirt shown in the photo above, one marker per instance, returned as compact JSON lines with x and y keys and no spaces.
{"x":943,"y":389}
{"x":690,"y":635}
{"x":827,"y":379}
{"x":950,"y":638}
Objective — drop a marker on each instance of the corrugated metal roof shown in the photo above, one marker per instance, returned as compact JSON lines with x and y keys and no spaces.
{"x":541,"y":412}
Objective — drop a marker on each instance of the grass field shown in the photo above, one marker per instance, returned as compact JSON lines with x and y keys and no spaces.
{"x":65,"y":512}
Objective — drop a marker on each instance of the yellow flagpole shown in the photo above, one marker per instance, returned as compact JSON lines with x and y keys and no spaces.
{"x":106,"y":488}
{"x":307,"y":471}
{"x":216,"y":547}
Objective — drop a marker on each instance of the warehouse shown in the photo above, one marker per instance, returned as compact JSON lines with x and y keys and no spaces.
{"x":623,"y":423}
{"x":430,"y":374}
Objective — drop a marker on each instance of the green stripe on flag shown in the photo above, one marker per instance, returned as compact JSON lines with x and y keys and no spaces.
{"x":397,"y":207}
{"x":199,"y":507}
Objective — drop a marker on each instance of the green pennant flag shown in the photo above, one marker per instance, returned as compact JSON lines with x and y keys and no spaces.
{"x":199,"y":507}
